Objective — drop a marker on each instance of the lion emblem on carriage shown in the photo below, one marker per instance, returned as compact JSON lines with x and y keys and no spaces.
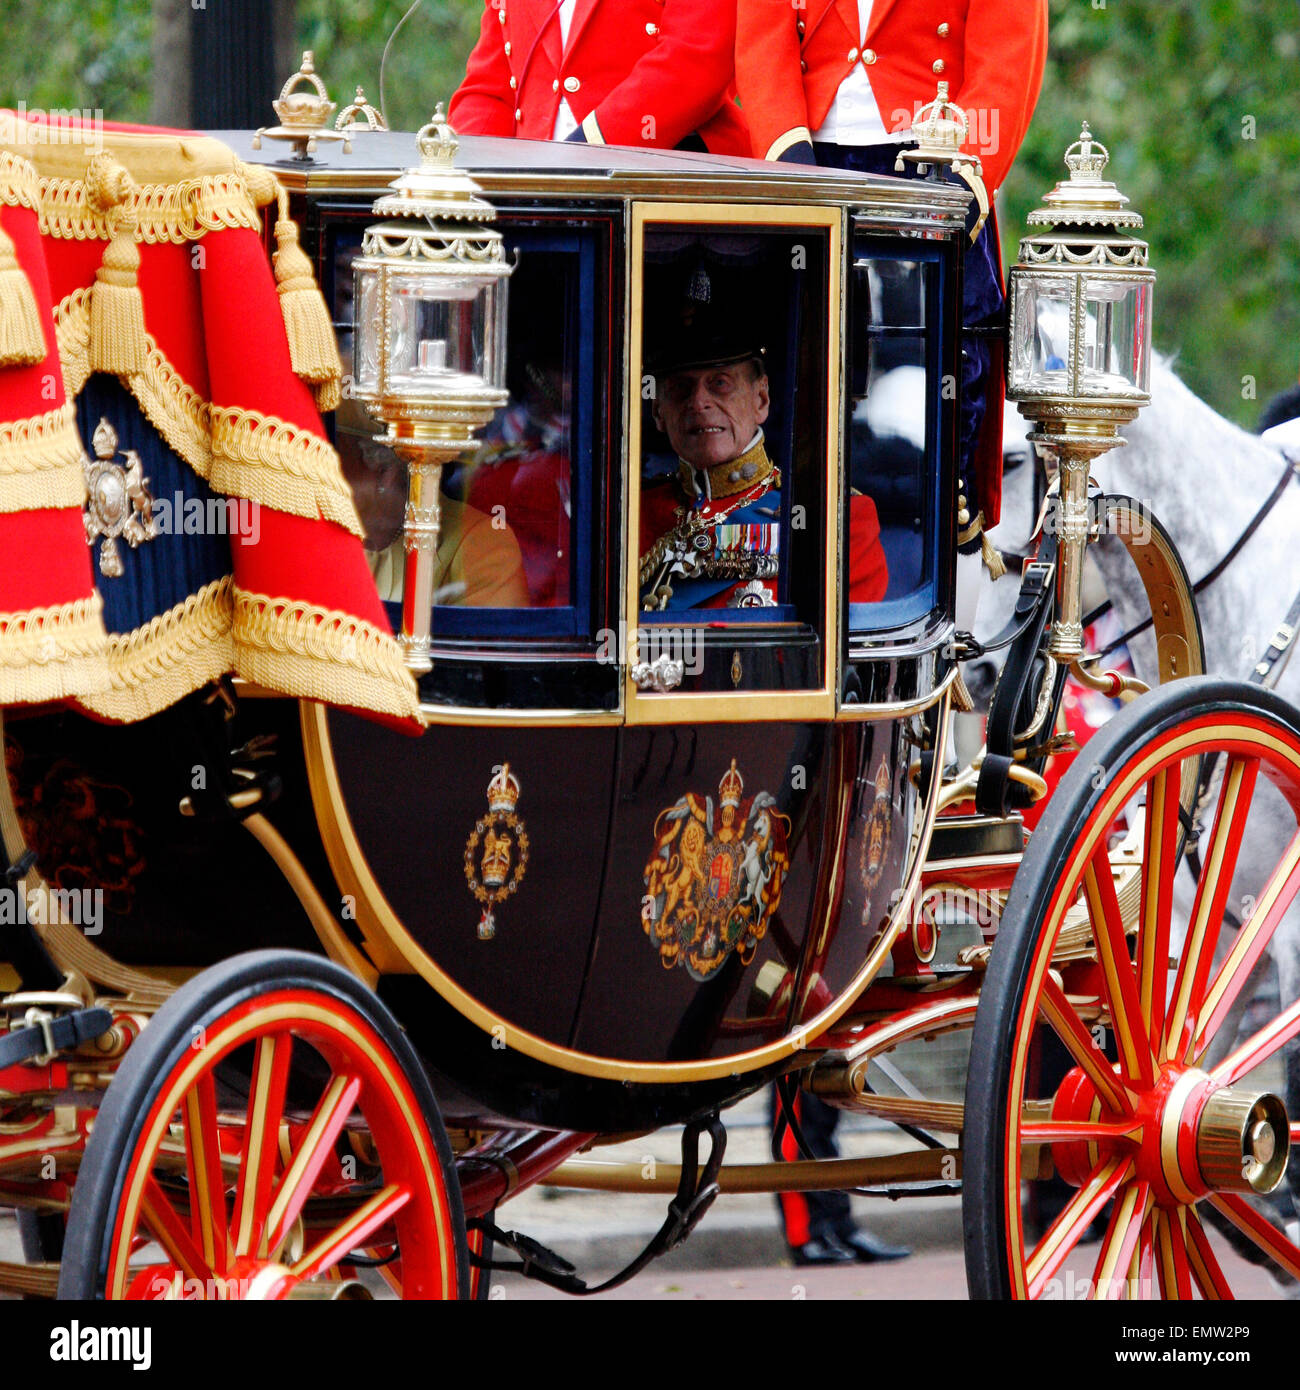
{"x":713,"y":881}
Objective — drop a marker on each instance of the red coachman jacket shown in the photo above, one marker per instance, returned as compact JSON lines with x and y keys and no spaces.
{"x":644,"y":73}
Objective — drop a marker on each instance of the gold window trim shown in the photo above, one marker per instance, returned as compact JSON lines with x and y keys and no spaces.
{"x":645,"y":707}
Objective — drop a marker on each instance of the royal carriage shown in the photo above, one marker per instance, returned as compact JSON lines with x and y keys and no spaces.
{"x":653,"y":845}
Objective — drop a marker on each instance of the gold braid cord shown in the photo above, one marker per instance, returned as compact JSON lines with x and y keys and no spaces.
{"x":170,"y":656}
{"x":40,"y":462}
{"x":282,"y":466}
{"x":239,"y":452}
{"x":51,"y":653}
{"x":321,"y":654}
{"x":20,"y":184}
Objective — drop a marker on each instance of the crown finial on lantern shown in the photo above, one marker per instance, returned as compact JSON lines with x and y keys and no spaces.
{"x":1087,"y":158}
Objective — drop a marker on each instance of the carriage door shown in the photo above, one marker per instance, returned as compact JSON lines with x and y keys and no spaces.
{"x":730,"y":635}
{"x":733,"y":464}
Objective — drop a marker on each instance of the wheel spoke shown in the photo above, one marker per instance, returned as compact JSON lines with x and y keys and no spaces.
{"x":261,"y":1141}
{"x":1259,"y":1230}
{"x":203,"y":1159}
{"x":1259,"y":1046}
{"x":317,"y":1144}
{"x":1159,"y":866}
{"x":1121,"y":1241}
{"x":1142,"y":1270}
{"x":1129,"y":1022}
{"x":1204,"y":1263}
{"x":352,"y":1234}
{"x":169,"y":1229}
{"x":1251,"y":943}
{"x":1171,"y":1257}
{"x":1069,"y":1228}
{"x":1059,"y":1012}
{"x":1207,"y":909}
{"x":1081,"y":1131}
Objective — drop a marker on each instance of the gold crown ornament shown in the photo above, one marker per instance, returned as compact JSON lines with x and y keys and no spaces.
{"x":360,"y":116}
{"x":503,"y":790}
{"x":304,"y":115}
{"x":732,"y":786}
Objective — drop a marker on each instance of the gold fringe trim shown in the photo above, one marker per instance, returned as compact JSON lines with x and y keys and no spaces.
{"x":280,"y":465}
{"x":175,"y":212}
{"x":41,"y":462}
{"x":53,"y":653}
{"x":20,"y":184}
{"x":321,"y":654}
{"x":170,"y":656}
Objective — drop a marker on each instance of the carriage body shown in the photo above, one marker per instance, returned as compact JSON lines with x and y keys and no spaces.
{"x":689,"y":943}
{"x":644,"y":856}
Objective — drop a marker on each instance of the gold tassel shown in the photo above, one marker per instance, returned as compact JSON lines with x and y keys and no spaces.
{"x":962,"y":701}
{"x":993,"y":561}
{"x":22,"y":340}
{"x":117,"y":332}
{"x":313,"y":349}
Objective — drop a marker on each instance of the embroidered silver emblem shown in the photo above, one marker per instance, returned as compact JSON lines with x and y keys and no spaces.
{"x":119,"y":503}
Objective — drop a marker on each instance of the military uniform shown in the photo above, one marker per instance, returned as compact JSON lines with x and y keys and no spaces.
{"x":712,"y":539}
{"x":649,"y":73}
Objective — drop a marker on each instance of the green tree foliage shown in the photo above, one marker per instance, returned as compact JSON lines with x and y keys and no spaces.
{"x":77,"y":53}
{"x":426,"y":61}
{"x":1195,"y":101}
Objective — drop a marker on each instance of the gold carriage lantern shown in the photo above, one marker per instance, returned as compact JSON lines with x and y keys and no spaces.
{"x":429,"y":351}
{"x":1080,"y":353}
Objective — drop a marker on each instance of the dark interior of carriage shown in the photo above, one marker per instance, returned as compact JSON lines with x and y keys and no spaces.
{"x":893,"y":405}
{"x":771,"y":284}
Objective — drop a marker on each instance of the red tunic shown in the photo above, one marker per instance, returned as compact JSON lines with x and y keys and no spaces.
{"x":634,"y":72}
{"x":791,"y":59}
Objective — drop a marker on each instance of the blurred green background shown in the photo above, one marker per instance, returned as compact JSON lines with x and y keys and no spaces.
{"x":1195,"y":98}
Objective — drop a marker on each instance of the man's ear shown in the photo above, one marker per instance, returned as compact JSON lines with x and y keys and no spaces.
{"x":763,"y":395}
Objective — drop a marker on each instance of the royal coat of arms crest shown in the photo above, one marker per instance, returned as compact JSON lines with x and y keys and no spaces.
{"x":496,"y":853}
{"x":714,"y":880}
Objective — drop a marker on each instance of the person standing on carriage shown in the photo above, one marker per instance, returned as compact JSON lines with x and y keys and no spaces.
{"x":653,"y":74}
{"x":839,"y":83}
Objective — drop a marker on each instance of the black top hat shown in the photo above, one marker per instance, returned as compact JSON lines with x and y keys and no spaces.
{"x":699,"y":327}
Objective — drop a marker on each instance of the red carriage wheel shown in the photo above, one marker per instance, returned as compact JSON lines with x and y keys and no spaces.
{"x":271,"y":1121}
{"x":1165,"y":1115}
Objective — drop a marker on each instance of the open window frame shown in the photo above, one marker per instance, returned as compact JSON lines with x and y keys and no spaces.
{"x":730,"y":647}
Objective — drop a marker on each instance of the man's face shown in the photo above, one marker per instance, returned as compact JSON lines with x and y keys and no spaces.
{"x":710,"y":414}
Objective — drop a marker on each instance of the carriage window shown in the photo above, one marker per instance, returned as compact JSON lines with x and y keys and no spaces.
{"x":513,"y":552}
{"x":737,"y":326}
{"x":733,"y":459}
{"x":893,"y":409}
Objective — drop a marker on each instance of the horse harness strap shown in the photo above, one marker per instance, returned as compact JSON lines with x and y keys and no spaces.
{"x":1027,"y":627}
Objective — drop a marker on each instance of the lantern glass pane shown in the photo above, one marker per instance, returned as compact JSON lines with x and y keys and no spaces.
{"x":1040,"y":354}
{"x":440,"y":332}
{"x":367,"y":331}
{"x":1117,"y":337}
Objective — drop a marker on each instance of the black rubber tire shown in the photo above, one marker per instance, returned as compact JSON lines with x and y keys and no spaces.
{"x":988,"y":1076}
{"x":153,"y":1056}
